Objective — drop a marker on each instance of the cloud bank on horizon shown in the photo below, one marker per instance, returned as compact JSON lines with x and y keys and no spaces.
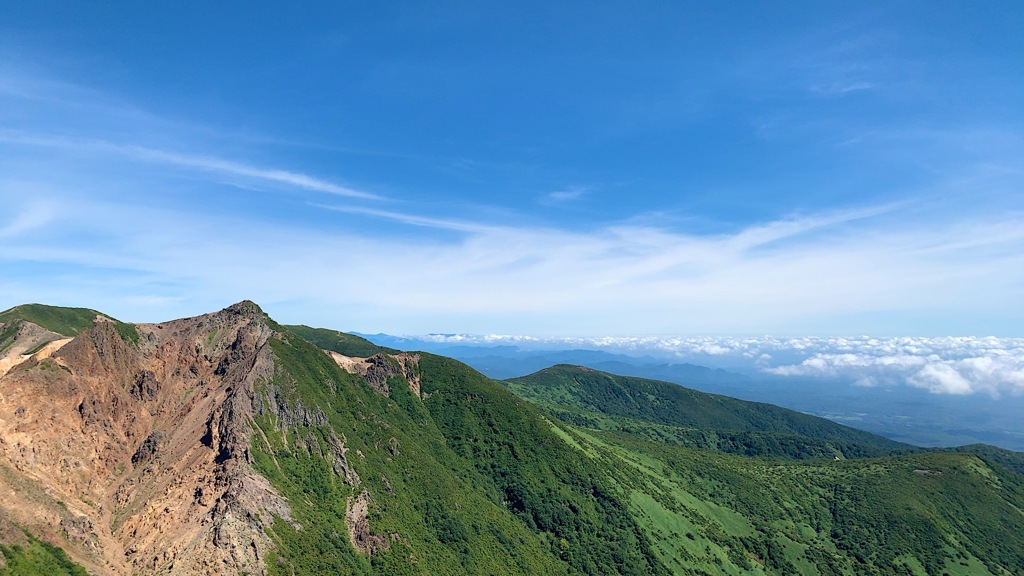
{"x":463,"y":168}
{"x":944,"y":365}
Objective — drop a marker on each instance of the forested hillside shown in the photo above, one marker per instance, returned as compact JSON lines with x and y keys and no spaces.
{"x":255,"y":447}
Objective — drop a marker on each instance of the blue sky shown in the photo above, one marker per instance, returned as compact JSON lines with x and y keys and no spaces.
{"x":547,"y":169}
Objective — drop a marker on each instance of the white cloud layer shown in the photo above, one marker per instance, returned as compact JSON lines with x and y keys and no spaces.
{"x":948,"y":365}
{"x":993,"y":366}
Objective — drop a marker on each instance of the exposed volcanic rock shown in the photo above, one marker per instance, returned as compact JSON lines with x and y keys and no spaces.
{"x":359,"y":533}
{"x":410,"y":365}
{"x":138,"y":452}
{"x":380,"y":368}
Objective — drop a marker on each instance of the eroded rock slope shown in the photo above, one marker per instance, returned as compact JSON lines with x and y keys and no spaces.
{"x":134,"y":453}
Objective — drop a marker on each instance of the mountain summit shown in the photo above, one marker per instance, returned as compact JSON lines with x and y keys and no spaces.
{"x":135,"y":439}
{"x":228,"y":444}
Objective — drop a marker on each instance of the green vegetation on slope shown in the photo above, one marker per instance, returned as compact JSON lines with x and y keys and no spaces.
{"x":8,"y":334}
{"x":707,"y":512}
{"x":64,"y":321}
{"x":472,"y":479}
{"x":340,"y":342}
{"x":552,"y":487}
{"x":714,"y":513}
{"x":430,"y":511}
{"x":37,"y":558}
{"x":670,"y":413}
{"x":994,"y":455}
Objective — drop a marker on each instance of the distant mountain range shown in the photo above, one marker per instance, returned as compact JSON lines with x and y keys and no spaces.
{"x":228,"y":444}
{"x":899,"y":412}
{"x":502,"y":362}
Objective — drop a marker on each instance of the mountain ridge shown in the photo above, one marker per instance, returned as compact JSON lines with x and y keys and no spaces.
{"x":148,"y":444}
{"x":228,"y":443}
{"x":590,"y":397}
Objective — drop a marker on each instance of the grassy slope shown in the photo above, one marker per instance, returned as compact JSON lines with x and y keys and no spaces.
{"x":8,"y":334}
{"x":340,"y":342}
{"x":707,"y":512}
{"x":993,"y":454}
{"x":671,"y":413}
{"x":716,"y":513}
{"x":64,"y":321}
{"x":37,"y":558}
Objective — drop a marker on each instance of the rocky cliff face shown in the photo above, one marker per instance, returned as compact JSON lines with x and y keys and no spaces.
{"x":137,"y":453}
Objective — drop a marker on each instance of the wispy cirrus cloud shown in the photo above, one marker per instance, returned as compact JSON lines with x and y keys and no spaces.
{"x":209,"y":164}
{"x":218,"y":165}
{"x":56,"y":117}
{"x":879,"y":266}
{"x":840,"y":88}
{"x":561,"y":196}
{"x":412,"y":219}
{"x":804,"y":274}
{"x":33,"y":216}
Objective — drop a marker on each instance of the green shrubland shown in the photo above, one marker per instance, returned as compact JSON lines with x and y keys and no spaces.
{"x":340,"y":342}
{"x":37,"y":558}
{"x":67,"y":322}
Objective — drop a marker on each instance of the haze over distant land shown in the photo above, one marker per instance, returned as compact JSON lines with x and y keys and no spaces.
{"x":926,"y":391}
{"x":523,"y":168}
